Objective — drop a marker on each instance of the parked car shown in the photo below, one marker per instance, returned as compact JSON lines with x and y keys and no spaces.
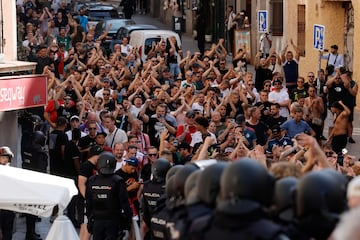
{"x":126,"y":30}
{"x":144,"y":40}
{"x":116,"y":24}
{"x":97,"y":12}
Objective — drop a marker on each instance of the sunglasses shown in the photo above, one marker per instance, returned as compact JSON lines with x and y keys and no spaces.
{"x":106,"y":94}
{"x":311,"y":76}
{"x":329,"y":153}
{"x":152,"y":154}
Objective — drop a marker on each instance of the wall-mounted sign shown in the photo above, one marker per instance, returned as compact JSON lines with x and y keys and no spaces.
{"x":21,"y":92}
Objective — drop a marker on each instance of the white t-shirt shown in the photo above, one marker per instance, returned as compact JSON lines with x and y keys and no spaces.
{"x":279,"y":97}
{"x":117,"y":136}
{"x":196,"y":137}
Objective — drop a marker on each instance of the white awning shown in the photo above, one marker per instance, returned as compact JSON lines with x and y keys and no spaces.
{"x":33,"y":192}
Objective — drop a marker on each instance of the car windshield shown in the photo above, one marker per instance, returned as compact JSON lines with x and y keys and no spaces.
{"x":104,"y":14}
{"x":119,"y":23}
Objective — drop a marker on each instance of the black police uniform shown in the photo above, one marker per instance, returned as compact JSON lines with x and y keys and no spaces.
{"x":107,"y":204}
{"x":159,"y":220}
{"x":246,"y":187}
{"x":152,"y":191}
{"x":34,"y":158}
{"x":250,"y":226}
{"x":7,"y":223}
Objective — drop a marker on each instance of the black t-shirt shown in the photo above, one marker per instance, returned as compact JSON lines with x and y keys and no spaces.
{"x":260,"y":131}
{"x":296,"y":93}
{"x":72,"y":154}
{"x":67,"y":112}
{"x":128,"y":179}
{"x":84,"y":143}
{"x":238,"y":106}
{"x":267,"y":106}
{"x":41,"y":63}
{"x":146,"y":172}
{"x":110,"y":106}
{"x":336,"y":93}
{"x":87,"y":169}
{"x":57,"y":139}
{"x":262,"y":74}
{"x":276,"y":121}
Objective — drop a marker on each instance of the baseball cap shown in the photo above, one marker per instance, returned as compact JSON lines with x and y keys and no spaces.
{"x":228,"y":150}
{"x":75,"y":117}
{"x":132,"y":161}
{"x":153,"y":97}
{"x":106,"y":80}
{"x":166,"y":69}
{"x":101,"y":133}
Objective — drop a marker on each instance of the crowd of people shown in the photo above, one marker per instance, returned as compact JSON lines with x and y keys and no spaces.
{"x":185,"y":107}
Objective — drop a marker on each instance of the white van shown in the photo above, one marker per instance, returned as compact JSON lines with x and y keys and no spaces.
{"x":144,"y":40}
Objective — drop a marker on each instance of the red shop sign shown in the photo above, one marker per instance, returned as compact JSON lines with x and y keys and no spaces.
{"x":18,"y":92}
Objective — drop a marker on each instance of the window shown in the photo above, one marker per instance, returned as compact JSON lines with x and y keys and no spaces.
{"x":301,"y":29}
{"x":277,"y":17}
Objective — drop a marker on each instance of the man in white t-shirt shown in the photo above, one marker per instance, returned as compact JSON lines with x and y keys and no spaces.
{"x":280,"y":97}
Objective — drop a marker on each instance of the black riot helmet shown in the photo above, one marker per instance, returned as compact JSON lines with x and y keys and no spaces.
{"x":284,"y":198}
{"x":39,"y":138}
{"x":191,"y":188}
{"x":245,"y":186}
{"x":209,"y":181}
{"x":37,"y":121}
{"x":159,"y":169}
{"x":169,"y":189}
{"x":106,"y":163}
{"x":319,"y":192}
{"x":180,"y":179}
{"x":320,"y":199}
{"x":172,"y":171}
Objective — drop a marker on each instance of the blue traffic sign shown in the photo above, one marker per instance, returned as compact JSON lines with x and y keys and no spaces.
{"x":263,"y":21}
{"x":319,"y":37}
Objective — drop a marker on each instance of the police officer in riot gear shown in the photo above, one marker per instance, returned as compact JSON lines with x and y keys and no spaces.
{"x":320,"y":199}
{"x":162,"y":214}
{"x":246,"y":188}
{"x":283,"y":209}
{"x":200,"y":212}
{"x":176,"y":224}
{"x":34,"y":158}
{"x":6,"y":216}
{"x":107,"y":200}
{"x":153,"y":190}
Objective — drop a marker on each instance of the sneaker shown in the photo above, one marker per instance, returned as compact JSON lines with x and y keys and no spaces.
{"x":351,"y":140}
